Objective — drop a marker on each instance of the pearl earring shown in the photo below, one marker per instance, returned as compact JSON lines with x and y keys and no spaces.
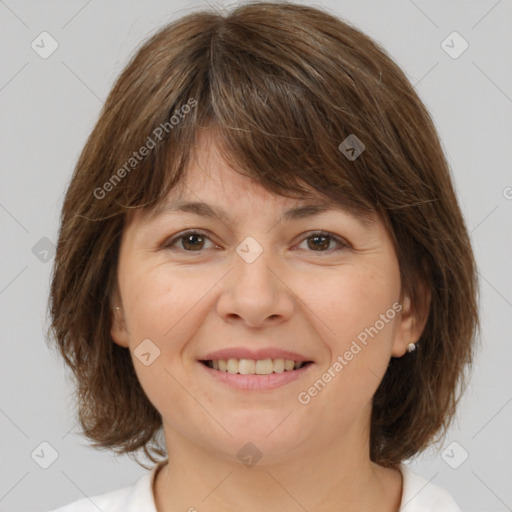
{"x":411,"y":347}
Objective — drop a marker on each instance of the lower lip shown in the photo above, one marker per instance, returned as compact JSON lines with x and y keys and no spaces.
{"x":256,"y":382}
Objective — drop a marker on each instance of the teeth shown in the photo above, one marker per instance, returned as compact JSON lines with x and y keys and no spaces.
{"x":246,"y":366}
{"x":252,"y":367}
{"x":279,"y":365}
{"x":289,"y":365}
{"x":264,"y":366}
{"x":232,"y":366}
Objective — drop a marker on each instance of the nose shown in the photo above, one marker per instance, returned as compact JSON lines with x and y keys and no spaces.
{"x":255,"y":294}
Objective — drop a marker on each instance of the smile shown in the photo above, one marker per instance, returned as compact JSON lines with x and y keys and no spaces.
{"x":274,"y":373}
{"x":254,"y":367}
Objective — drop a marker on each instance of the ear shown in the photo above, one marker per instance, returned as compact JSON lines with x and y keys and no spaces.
{"x":118,"y":330}
{"x":411,"y":322}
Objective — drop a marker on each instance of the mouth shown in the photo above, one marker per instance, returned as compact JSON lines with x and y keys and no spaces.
{"x":254,"y":375}
{"x":255,"y":366}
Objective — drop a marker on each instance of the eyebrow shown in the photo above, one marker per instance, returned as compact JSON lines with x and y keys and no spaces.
{"x":205,"y":210}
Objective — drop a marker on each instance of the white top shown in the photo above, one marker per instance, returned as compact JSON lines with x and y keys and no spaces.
{"x":418,"y":495}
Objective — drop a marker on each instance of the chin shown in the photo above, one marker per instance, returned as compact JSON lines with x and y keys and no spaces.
{"x":270,"y":439}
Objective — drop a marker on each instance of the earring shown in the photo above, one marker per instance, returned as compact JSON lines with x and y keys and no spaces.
{"x":411,"y":347}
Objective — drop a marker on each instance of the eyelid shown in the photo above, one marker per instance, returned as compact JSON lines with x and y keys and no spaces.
{"x":168,"y":243}
{"x":342,"y":242}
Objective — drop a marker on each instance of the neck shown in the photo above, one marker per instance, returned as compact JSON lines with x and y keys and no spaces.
{"x":337,"y":479}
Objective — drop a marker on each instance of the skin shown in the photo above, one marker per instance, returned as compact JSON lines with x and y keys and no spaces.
{"x":294,"y":297}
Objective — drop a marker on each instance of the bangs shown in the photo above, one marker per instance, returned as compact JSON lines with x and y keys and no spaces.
{"x":279,"y":125}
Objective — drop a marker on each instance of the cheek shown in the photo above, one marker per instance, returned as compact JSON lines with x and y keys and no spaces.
{"x":362,"y":318}
{"x":155,"y":302}
{"x":167,"y":307}
{"x":354,"y":300}
{"x":158,"y":309}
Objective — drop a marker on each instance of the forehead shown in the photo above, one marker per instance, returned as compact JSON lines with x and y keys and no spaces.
{"x":228,"y":208}
{"x":211,"y":187}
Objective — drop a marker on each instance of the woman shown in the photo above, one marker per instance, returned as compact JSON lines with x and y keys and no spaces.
{"x":262,"y":257}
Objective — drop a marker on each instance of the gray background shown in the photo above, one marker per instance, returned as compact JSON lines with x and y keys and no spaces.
{"x":49,"y":107}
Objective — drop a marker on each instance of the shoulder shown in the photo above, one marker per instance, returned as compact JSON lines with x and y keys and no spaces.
{"x":420,"y":495}
{"x":135,"y":498}
{"x":112,"y":501}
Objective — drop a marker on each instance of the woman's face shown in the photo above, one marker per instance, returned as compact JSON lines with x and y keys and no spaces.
{"x":262,"y":287}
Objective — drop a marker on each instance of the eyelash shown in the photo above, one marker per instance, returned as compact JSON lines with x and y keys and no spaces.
{"x":169,"y":245}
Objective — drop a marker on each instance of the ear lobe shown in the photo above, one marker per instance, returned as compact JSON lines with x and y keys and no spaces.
{"x":412,"y":322}
{"x":118,"y":329}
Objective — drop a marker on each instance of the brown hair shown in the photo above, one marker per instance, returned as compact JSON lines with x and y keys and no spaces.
{"x":282,"y":85}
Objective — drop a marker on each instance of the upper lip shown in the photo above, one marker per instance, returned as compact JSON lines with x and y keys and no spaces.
{"x":245,"y":353}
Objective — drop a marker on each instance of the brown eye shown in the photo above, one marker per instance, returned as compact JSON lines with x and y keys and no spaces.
{"x":321,"y":242}
{"x":193,"y":242}
{"x":190,"y":241}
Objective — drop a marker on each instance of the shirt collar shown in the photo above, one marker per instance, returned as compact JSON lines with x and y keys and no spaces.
{"x":142,"y":497}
